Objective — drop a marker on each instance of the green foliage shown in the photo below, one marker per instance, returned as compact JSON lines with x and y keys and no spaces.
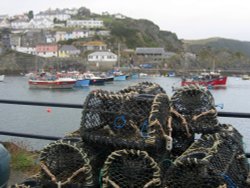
{"x":22,"y":161}
{"x":30,"y":14}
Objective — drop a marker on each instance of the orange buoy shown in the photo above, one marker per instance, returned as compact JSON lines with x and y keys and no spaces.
{"x":48,"y":109}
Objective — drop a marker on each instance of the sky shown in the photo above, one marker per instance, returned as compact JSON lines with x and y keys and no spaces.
{"x":189,"y":19}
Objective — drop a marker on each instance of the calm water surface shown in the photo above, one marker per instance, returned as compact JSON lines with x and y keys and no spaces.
{"x":36,"y":120}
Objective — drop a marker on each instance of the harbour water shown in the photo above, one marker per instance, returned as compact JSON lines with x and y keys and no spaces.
{"x":60,"y":121}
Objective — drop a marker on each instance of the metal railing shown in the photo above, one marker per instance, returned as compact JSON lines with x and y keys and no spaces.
{"x":78,"y":106}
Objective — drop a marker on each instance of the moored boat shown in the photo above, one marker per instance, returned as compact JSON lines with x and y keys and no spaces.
{"x":58,"y":83}
{"x":245,"y":77}
{"x":82,"y":83}
{"x":2,"y":78}
{"x":210,"y":80}
{"x":94,"y":80}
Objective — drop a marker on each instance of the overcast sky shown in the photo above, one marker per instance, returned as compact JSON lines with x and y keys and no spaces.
{"x":189,"y":19}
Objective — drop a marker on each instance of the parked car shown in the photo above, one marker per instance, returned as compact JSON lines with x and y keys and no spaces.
{"x":4,"y":166}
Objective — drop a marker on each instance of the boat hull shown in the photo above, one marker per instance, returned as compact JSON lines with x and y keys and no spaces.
{"x":2,"y":78}
{"x":37,"y":84}
{"x":120,"y":78}
{"x":97,"y":81}
{"x":214,"y":83}
{"x":82,"y":83}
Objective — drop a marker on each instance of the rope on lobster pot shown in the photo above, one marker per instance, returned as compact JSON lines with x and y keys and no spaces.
{"x":195,"y":117}
{"x":141,"y":166}
{"x":184,"y":121}
{"x":59,"y":183}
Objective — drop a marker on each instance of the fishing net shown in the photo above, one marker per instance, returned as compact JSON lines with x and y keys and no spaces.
{"x":195,"y":106}
{"x":212,"y":161}
{"x":143,"y":88}
{"x":65,"y":163}
{"x":124,"y":120}
{"x":130,"y":169}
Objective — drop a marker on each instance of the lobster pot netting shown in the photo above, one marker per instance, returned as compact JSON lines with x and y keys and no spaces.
{"x":130,"y":169}
{"x":120,"y":120}
{"x":214,"y":160}
{"x":65,"y":163}
{"x":144,"y":88}
{"x":195,"y":104}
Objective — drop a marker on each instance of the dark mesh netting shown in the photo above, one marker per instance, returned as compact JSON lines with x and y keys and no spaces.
{"x":144,"y":88}
{"x":122,"y":119}
{"x":65,"y":163}
{"x":195,"y":105}
{"x":130,"y":169}
{"x":214,"y":160}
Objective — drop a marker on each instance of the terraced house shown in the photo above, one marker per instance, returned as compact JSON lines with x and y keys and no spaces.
{"x":67,"y":51}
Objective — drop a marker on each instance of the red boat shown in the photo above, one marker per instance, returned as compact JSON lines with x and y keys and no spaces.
{"x":210,"y":80}
{"x":60,"y":83}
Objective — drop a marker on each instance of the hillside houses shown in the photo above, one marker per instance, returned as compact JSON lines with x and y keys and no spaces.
{"x":53,"y":15}
{"x":103,"y":59}
{"x":153,"y":55}
{"x":68,"y":51}
{"x":85,"y":23}
{"x":47,"y":50}
{"x":91,"y":46}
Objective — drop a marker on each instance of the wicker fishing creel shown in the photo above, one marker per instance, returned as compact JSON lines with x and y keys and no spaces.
{"x":130,"y":169}
{"x":195,"y":107}
{"x":65,"y":163}
{"x":212,"y":161}
{"x":129,"y":120}
{"x":144,"y":88}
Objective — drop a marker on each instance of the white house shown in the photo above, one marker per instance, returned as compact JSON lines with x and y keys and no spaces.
{"x":52,"y":16}
{"x":76,"y":34}
{"x":19,"y":24}
{"x":119,"y":16}
{"x":60,"y":35}
{"x":41,"y":23}
{"x":4,"y":23}
{"x":102,"y":57}
{"x":103,"y":32}
{"x":27,"y":50}
{"x":85,"y":23}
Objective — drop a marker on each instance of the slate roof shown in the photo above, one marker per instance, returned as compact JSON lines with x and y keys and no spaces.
{"x":150,"y":51}
{"x":68,"y":48}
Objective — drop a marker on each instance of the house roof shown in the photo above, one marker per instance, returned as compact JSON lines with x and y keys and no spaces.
{"x":149,"y":51}
{"x":68,"y":48}
{"x":102,"y":53}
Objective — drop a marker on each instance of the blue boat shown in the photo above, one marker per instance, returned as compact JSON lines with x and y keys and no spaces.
{"x":82,"y":83}
{"x":120,"y":77}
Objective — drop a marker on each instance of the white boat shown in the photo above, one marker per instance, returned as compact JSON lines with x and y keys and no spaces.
{"x":2,"y":78}
{"x":245,"y":77}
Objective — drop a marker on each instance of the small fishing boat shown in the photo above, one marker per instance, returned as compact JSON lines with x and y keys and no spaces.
{"x":245,"y":77}
{"x":94,"y":80}
{"x":210,"y":80}
{"x":47,"y":81}
{"x":2,"y":78}
{"x":82,"y":82}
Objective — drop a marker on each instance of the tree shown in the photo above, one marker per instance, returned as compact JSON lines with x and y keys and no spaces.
{"x":83,"y":12}
{"x":30,"y":14}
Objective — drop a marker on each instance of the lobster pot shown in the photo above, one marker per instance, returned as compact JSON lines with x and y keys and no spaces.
{"x":130,"y":169}
{"x":196,"y":105}
{"x":144,"y":88}
{"x":65,"y":163}
{"x":120,"y":120}
{"x":214,"y":160}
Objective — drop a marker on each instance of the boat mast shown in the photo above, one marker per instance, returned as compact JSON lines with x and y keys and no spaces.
{"x":118,"y":59}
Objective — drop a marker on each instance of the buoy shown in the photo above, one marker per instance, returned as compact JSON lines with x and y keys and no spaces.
{"x":49,"y":110}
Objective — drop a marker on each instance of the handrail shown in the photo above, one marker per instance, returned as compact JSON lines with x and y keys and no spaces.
{"x":77,"y":106}
{"x":80,"y":106}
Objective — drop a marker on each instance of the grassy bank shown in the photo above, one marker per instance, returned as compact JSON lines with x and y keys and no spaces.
{"x":22,"y":159}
